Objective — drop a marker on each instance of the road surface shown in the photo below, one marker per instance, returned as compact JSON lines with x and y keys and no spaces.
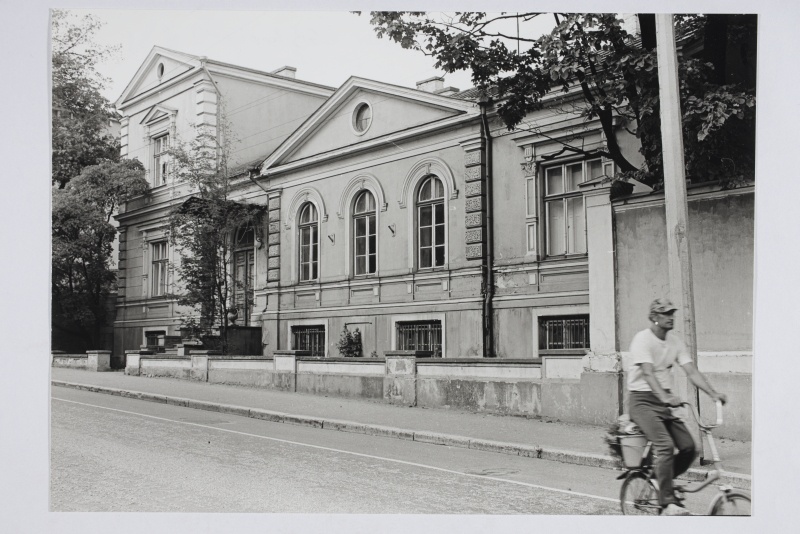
{"x":116,"y":454}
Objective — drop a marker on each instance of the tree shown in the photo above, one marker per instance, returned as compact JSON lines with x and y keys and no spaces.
{"x":205,"y":230}
{"x":613,"y":73}
{"x":81,"y":115}
{"x":82,"y":277}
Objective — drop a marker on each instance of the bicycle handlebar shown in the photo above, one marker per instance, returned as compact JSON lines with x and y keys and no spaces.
{"x":697,"y":415}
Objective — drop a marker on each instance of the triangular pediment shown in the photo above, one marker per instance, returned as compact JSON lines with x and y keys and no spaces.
{"x":157,"y":113}
{"x":364,"y":113}
{"x":159,"y":68}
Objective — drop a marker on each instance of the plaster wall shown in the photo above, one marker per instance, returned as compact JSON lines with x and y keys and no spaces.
{"x":721,"y":237}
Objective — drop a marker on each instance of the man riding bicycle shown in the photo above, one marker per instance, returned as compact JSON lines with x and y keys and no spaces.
{"x":653,"y":352}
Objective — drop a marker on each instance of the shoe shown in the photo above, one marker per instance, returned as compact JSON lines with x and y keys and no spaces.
{"x":675,"y":509}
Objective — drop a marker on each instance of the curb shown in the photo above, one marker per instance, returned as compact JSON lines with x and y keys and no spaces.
{"x":738,"y":480}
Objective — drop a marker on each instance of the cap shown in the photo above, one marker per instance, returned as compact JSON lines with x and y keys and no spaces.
{"x":662,"y":306}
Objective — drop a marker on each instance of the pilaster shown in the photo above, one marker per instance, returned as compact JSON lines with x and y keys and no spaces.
{"x":475,"y":198}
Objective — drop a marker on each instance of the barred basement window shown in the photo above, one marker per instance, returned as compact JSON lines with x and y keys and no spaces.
{"x":420,"y":335}
{"x":310,"y":338}
{"x":559,"y":333}
{"x":155,"y":340}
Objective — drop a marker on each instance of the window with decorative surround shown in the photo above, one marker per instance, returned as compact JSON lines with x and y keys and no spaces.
{"x":564,"y":333}
{"x":420,"y":336}
{"x":160,"y":160}
{"x":431,"y":224}
{"x":308,"y":229}
{"x":564,"y":210}
{"x":159,"y":267}
{"x":310,"y":338}
{"x":365,"y":235}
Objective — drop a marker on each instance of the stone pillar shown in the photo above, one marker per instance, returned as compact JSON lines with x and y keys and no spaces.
{"x":602,"y":276}
{"x":98,"y":360}
{"x":474,"y":176}
{"x":400,"y":380}
{"x":199,"y":370}
{"x":133,"y":360}
{"x":285,"y":367}
{"x":602,"y":388}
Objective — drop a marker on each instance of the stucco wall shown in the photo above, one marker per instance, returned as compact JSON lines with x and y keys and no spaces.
{"x":721,"y":230}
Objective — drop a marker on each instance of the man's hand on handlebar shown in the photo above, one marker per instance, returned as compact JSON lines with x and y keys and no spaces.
{"x":719,"y":397}
{"x":673,"y":401}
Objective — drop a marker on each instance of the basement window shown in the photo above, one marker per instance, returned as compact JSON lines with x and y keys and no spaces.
{"x":310,"y":338}
{"x":564,"y":334}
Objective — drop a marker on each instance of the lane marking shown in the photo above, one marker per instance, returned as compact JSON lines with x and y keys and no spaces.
{"x":363,"y":455}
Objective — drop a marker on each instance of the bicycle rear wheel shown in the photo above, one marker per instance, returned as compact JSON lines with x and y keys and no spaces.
{"x":732,"y":503}
{"x":639,"y":496}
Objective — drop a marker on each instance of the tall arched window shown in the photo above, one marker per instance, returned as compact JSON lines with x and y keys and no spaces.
{"x":244,"y":273}
{"x":309,"y":242}
{"x":431,"y":224}
{"x":364,"y":233}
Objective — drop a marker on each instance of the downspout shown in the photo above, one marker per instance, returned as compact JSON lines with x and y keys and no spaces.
{"x":488,"y":257}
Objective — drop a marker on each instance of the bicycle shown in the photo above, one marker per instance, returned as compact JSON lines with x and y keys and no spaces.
{"x":639,"y":492}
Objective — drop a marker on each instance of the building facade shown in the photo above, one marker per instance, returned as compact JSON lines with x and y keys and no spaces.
{"x":416,"y":217}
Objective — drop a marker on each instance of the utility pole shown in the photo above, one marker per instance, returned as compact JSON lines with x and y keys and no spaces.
{"x":675,"y":204}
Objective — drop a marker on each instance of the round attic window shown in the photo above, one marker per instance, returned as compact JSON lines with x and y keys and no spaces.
{"x":362,"y":118}
{"x":160,"y":70}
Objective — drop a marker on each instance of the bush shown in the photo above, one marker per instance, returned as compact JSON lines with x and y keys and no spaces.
{"x":349,"y":344}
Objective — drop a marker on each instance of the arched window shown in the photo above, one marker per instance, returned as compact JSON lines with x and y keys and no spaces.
{"x":364,"y":234}
{"x":431,"y":224}
{"x":309,"y":242}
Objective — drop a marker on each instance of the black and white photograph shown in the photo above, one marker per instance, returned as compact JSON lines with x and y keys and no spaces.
{"x":325,"y":268}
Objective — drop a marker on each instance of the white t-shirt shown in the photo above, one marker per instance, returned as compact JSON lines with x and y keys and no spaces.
{"x":647,"y":348}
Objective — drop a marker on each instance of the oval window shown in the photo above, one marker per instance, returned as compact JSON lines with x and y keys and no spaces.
{"x":362,"y":118}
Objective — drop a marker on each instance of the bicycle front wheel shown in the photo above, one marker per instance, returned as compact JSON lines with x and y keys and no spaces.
{"x":732,"y":503}
{"x":639,"y":496}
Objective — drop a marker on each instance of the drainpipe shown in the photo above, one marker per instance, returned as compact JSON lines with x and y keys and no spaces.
{"x":488,"y":257}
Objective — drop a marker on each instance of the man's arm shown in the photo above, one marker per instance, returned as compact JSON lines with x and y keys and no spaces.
{"x":700,"y":381}
{"x":649,"y":376}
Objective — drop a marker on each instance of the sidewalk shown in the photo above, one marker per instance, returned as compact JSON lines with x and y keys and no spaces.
{"x":569,"y":443}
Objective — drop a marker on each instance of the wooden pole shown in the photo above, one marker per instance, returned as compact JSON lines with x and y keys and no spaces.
{"x":676,"y":208}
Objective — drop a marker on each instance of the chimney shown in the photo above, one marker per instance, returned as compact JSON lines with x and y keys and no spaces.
{"x":448,"y":91}
{"x":285,"y":71}
{"x":431,"y":85}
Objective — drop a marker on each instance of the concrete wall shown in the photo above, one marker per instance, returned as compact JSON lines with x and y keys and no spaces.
{"x":94,"y":360}
{"x":721,"y":237}
{"x":512,"y":387}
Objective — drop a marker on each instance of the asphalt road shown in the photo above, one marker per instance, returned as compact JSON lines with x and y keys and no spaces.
{"x":115,"y":454}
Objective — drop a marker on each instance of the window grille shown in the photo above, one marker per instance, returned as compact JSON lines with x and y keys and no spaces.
{"x":557,"y":333}
{"x":420,"y":335}
{"x":310,"y":338}
{"x":155,"y":340}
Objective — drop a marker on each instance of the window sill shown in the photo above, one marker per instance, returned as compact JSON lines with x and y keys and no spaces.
{"x":563,"y":352}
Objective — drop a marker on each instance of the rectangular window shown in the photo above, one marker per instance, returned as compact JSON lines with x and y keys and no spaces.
{"x":431,"y":235}
{"x":309,"y":250}
{"x":160,"y":147}
{"x":564,"y":208}
{"x":310,"y":338}
{"x":563,"y":333}
{"x":155,"y":340}
{"x":420,"y":335}
{"x":366,"y":257}
{"x":159,"y":268}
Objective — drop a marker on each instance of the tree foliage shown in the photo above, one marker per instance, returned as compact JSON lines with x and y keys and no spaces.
{"x":205,"y":230}
{"x":81,"y":114}
{"x":613,"y":74}
{"x":82,"y":275}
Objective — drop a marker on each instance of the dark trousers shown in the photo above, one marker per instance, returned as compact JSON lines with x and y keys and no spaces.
{"x":667,"y":433}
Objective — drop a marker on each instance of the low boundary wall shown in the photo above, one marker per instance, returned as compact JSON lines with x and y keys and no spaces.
{"x":504,"y":386}
{"x":92,"y":360}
